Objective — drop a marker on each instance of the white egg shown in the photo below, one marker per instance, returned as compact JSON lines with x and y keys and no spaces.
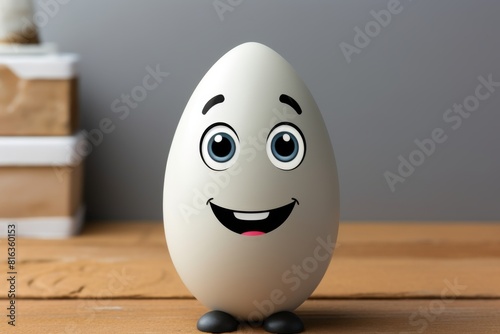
{"x":251,"y":202}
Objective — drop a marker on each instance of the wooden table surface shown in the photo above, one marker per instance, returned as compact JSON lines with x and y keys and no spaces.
{"x":384,"y":278}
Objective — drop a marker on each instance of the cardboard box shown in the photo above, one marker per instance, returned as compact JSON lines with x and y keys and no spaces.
{"x":41,"y":185}
{"x":38,"y":94}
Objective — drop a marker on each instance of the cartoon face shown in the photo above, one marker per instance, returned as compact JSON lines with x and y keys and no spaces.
{"x":251,"y":184}
{"x":220,"y":148}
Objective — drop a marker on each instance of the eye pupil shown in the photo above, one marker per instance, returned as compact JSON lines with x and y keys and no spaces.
{"x":285,"y":146}
{"x":221,"y":147}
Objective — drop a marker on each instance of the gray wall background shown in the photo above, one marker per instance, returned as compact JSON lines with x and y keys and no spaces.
{"x":395,"y":90}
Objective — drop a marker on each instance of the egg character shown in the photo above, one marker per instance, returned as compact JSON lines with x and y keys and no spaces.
{"x":251,"y":203}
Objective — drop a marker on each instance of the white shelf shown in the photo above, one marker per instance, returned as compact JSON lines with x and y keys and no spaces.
{"x":42,"y":151}
{"x":44,"y":227}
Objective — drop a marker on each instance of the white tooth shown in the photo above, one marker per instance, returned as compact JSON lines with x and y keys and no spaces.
{"x":251,"y":216}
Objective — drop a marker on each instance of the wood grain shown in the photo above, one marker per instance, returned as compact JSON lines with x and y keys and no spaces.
{"x":37,"y":107}
{"x":319,"y":316}
{"x":384,"y":278}
{"x":372,"y":260}
{"x":46,"y":192}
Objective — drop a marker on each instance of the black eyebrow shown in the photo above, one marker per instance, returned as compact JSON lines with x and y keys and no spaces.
{"x":291,"y":102}
{"x":212,"y":102}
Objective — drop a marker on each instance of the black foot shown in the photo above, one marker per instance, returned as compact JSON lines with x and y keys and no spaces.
{"x":217,"y":322}
{"x":284,"y":322}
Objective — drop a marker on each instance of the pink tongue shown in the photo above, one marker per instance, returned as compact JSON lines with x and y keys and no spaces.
{"x":253,"y":233}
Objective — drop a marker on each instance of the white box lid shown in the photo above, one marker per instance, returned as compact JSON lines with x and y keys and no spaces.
{"x":44,"y":227}
{"x":28,"y":49}
{"x":57,"y":66}
{"x":42,"y":151}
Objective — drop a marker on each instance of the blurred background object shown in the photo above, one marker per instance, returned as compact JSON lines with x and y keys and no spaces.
{"x":16,"y":27}
{"x":41,"y":153}
{"x":379,"y":92}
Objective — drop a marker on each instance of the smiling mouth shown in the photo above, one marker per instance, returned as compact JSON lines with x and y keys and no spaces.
{"x":252,"y":223}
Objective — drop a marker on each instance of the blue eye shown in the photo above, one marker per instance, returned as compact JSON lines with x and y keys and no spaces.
{"x":286,"y":146}
{"x":219,"y":146}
